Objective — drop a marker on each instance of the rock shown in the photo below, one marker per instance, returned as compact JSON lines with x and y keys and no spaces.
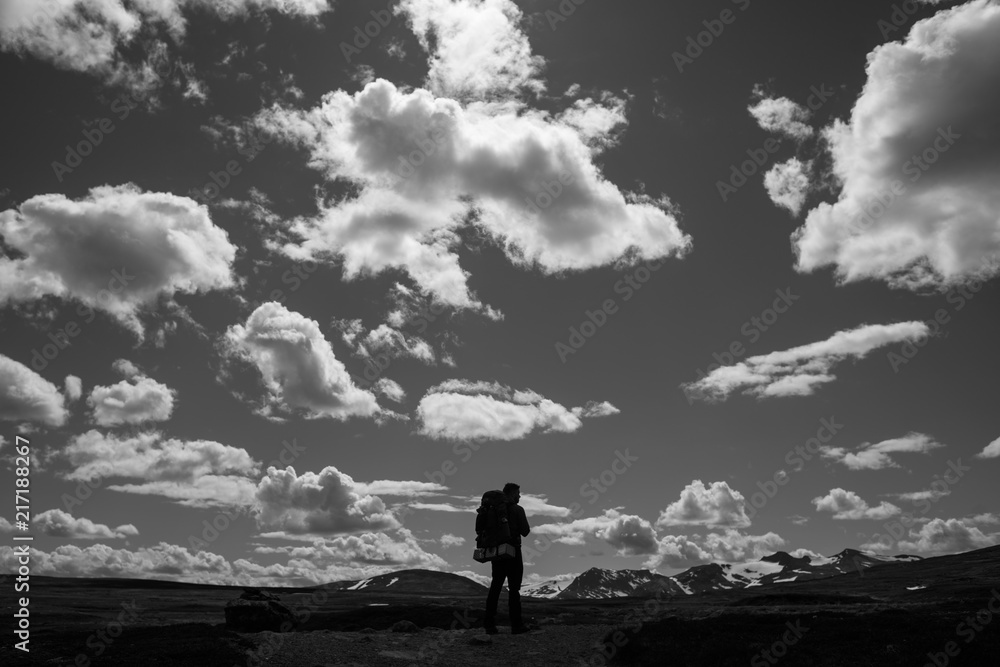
{"x":257,"y":594}
{"x":367,"y":631}
{"x":258,"y":615}
{"x":482,"y":639}
{"x":405,"y":626}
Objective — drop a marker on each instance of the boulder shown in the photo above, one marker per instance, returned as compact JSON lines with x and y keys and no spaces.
{"x":258,"y":594}
{"x":244,"y":615}
{"x":405,"y":626}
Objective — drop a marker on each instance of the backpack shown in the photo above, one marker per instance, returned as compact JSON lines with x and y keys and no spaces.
{"x":492,"y":524}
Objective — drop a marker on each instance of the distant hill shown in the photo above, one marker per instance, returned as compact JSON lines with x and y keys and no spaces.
{"x":413,"y":581}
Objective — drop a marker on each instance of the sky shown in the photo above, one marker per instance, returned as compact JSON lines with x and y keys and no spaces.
{"x":286,"y":286}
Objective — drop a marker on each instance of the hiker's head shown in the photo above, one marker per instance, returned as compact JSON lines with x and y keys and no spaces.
{"x":512,"y":491}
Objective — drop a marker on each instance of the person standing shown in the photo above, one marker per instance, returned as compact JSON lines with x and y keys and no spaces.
{"x":509,"y":569}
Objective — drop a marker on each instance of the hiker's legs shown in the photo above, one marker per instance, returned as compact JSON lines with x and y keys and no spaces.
{"x":493,"y":598}
{"x":515,"y":572}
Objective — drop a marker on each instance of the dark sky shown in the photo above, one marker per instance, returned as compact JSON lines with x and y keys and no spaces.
{"x":226,"y":341}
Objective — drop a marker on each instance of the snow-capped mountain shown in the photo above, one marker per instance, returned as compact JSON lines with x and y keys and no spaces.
{"x":777,"y":568}
{"x":545,"y":589}
{"x":597,"y":583}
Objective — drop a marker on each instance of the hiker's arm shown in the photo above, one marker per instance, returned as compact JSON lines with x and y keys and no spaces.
{"x":523,"y":522}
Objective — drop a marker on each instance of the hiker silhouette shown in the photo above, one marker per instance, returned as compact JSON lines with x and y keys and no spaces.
{"x":509,"y":569}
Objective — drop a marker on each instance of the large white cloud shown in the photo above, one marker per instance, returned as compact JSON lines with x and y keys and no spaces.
{"x":799,"y":370}
{"x":928,"y":124}
{"x":324,"y":503}
{"x":118,"y":250}
{"x":377,"y":549}
{"x":299,"y":369}
{"x":630,"y":534}
{"x":943,"y":536}
{"x":92,"y":35}
{"x":424,"y":167}
{"x":196,"y":473}
{"x":476,"y":47}
{"x":172,"y":562}
{"x":701,"y":505}
{"x":133,"y":401}
{"x":465,"y":410}
{"x":849,"y":505}
{"x":876,"y":456}
{"x":991,"y":451}
{"x":57,"y":523}
{"x":27,"y":396}
{"x":730,"y":546}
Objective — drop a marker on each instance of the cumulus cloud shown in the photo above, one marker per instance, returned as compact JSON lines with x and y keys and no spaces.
{"x":476,"y":47}
{"x":176,"y":563}
{"x":125,"y":368}
{"x":730,"y":546}
{"x":324,"y":503}
{"x":631,"y":535}
{"x":384,"y":341}
{"x":95,"y":36}
{"x":117,"y":250}
{"x":877,"y":456}
{"x":918,"y":160}
{"x":73,"y":387}
{"x":781,"y":116}
{"x":701,"y":505}
{"x":196,"y":473}
{"x":471,"y":410}
{"x":134,"y":401}
{"x":368,"y":549}
{"x":942,"y":536}
{"x":27,"y":396}
{"x":991,"y":451}
{"x":426,"y":167}
{"x":849,"y":505}
{"x":787,"y":184}
{"x":298,"y":367}
{"x":799,"y":370}
{"x":57,"y":523}
{"x":449,"y":540}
